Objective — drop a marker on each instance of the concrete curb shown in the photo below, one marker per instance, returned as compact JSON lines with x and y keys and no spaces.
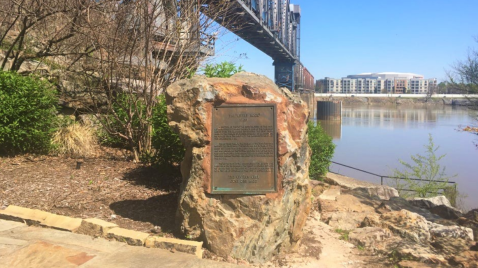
{"x":26,"y":215}
{"x":95,"y":227}
{"x":99,"y":228}
{"x":186,"y":246}
{"x":132,"y":238}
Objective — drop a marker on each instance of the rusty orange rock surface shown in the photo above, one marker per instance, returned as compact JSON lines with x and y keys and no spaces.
{"x":251,"y":227}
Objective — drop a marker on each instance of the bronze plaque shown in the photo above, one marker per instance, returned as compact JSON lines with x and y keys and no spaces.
{"x":244,"y":149}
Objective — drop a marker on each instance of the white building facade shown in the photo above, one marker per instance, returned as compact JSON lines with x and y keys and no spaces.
{"x":369,"y":83}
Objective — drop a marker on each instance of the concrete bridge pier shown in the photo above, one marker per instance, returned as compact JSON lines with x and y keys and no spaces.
{"x":284,"y":74}
{"x":329,"y":110}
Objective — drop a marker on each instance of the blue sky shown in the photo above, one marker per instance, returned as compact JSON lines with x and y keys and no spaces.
{"x":348,"y":37}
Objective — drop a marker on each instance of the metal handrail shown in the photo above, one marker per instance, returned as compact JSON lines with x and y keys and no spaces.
{"x":389,"y":177}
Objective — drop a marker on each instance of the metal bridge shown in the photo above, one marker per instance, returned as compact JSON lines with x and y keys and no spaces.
{"x":272,"y":26}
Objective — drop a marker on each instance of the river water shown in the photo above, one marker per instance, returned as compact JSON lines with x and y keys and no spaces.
{"x":374,"y":138}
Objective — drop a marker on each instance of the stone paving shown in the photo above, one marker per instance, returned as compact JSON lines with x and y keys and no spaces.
{"x":36,"y":247}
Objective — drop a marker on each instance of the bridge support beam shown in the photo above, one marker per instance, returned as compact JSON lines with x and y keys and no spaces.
{"x":284,"y":74}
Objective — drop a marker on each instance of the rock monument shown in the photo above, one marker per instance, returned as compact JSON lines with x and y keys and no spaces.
{"x":245,"y":189}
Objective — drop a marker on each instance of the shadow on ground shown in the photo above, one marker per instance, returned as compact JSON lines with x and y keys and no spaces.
{"x":155,"y":178}
{"x":158,"y":210}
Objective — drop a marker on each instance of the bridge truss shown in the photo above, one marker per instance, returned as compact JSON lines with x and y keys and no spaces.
{"x":272,"y":26}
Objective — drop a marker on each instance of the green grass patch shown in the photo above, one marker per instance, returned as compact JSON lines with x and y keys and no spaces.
{"x":344,"y":234}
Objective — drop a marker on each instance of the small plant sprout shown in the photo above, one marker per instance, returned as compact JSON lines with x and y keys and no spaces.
{"x":424,"y":176}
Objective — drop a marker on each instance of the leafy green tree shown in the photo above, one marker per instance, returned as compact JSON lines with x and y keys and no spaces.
{"x":28,"y":108}
{"x":443,"y":88}
{"x":424,"y":176}
{"x":224,"y":69}
{"x":322,"y":149}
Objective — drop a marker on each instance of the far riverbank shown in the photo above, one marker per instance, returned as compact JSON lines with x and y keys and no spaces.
{"x":395,"y":99}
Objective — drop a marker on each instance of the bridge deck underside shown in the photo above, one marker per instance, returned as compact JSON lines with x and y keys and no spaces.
{"x":243,"y":22}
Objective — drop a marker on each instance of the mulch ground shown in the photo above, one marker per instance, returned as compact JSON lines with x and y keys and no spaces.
{"x":131,"y":195}
{"x":109,"y":187}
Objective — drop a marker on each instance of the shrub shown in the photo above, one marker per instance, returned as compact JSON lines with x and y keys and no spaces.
{"x":224,"y":69}
{"x":322,"y":151}
{"x":74,"y":140}
{"x":166,"y":143}
{"x":28,"y":107}
{"x":115,"y":123}
{"x":425,"y":177}
{"x":166,"y":146}
{"x":108,"y":140}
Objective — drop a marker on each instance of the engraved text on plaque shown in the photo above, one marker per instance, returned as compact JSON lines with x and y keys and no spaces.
{"x":243,"y":149}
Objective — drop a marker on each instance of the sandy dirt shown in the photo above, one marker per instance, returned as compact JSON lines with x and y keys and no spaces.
{"x":322,"y":247}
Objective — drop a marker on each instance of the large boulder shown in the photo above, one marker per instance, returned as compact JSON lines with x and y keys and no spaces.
{"x":472,"y":215}
{"x":250,"y":227}
{"x":469,"y":221}
{"x":31,"y":66}
{"x":438,"y":205}
{"x":446,"y":212}
{"x":453,"y":231}
{"x":430,"y":202}
{"x":383,"y":192}
{"x":419,"y":253}
{"x":403,"y":223}
{"x":415,"y":227}
{"x":331,"y":194}
{"x":369,"y":236}
{"x":343,"y":211}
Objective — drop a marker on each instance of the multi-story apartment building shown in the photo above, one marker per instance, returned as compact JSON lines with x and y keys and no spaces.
{"x":399,"y":83}
{"x":360,"y":85}
{"x":333,"y":85}
{"x":421,"y":86}
{"x":348,"y":85}
{"x":370,"y":85}
{"x":389,"y":85}
{"x":380,"y":86}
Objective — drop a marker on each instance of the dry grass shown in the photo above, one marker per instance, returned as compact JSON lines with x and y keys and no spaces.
{"x":75,"y":140}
